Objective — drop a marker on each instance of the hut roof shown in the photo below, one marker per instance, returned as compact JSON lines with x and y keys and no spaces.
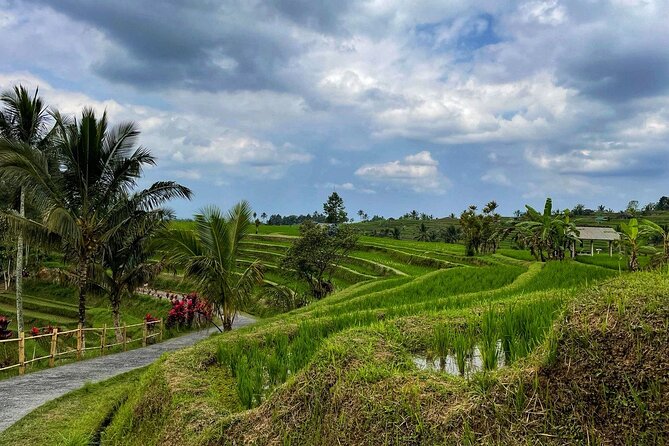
{"x":597,"y":233}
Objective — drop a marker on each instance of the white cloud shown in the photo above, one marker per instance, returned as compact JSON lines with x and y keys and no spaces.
{"x":602,"y":160}
{"x":346,"y":187}
{"x":547,"y":12}
{"x":188,"y":174}
{"x":419,"y":172}
{"x":180,"y":139}
{"x":496,"y":177}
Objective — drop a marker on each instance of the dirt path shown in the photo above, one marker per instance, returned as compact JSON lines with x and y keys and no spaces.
{"x":22,"y":394}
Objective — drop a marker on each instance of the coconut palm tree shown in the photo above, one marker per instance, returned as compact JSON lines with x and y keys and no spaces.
{"x":24,"y":118}
{"x":81,"y":188}
{"x":127,"y":259}
{"x":423,"y":234}
{"x":209,"y":257}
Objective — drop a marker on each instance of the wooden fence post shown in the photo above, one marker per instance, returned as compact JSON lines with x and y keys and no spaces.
{"x":103,"y":339}
{"x":22,"y":353}
{"x":125,"y":338}
{"x":79,"y":340}
{"x":54,"y":347}
{"x":144,"y":334}
{"x":161,"y":329}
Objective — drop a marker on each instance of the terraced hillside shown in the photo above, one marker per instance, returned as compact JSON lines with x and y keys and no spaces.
{"x":373,"y":260}
{"x":418,"y":346}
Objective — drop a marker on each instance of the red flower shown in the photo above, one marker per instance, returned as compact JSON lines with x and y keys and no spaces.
{"x":35,"y":331}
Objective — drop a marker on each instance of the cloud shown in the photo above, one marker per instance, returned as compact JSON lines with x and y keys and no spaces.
{"x":303,"y":92}
{"x":179,"y":139}
{"x":609,"y":158}
{"x":345,"y":187}
{"x":419,"y":172}
{"x":496,"y":177}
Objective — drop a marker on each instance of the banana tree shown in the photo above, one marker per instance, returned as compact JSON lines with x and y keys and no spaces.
{"x":649,"y":228}
{"x":631,"y":235}
{"x":548,"y":232}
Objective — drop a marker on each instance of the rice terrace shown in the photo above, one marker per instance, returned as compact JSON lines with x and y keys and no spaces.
{"x":166,"y":280}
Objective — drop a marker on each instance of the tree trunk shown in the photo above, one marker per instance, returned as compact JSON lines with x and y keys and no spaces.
{"x":19,"y":268}
{"x":82,"y":279}
{"x":116,"y":314}
{"x":634,"y":261}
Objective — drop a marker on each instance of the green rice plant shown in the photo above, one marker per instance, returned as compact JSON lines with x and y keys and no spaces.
{"x":463,"y":348}
{"x":489,"y":336}
{"x":441,"y":343}
{"x":277,"y":360}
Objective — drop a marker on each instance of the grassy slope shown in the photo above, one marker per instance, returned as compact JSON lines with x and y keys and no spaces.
{"x":335,"y":339}
{"x":600,"y":378}
{"x":355,"y":383}
{"x":76,"y":418}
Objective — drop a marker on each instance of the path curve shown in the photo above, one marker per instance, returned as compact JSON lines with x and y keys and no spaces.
{"x":20,"y":395}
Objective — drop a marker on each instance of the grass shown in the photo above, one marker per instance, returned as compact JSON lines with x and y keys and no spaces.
{"x":340,"y":370}
{"x":76,"y":418}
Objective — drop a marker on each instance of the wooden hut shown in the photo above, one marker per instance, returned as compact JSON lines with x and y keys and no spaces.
{"x":593,"y":234}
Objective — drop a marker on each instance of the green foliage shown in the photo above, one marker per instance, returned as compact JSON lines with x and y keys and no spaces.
{"x":315,"y":256}
{"x":334,"y":209}
{"x":481,"y":232}
{"x":209,"y":258}
{"x":549,"y":236}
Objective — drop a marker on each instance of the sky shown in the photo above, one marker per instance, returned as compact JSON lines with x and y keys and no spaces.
{"x":396,"y":105}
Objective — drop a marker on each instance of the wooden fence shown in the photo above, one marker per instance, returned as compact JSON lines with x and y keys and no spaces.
{"x":52,"y":339}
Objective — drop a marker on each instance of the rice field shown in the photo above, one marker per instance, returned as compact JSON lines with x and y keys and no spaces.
{"x":424,"y":310}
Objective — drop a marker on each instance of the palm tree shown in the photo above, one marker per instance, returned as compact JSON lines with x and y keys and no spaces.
{"x":24,"y":119}
{"x":631,"y":235}
{"x":396,"y":233}
{"x":81,"y":188}
{"x":547,"y":231}
{"x":423,"y":234}
{"x":209,"y":256}
{"x":126,"y":259}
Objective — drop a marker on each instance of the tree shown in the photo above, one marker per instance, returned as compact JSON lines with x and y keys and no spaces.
{"x":547,"y":232}
{"x":256,"y":222}
{"x":601,"y":208}
{"x":579,"y":209}
{"x":632,"y":242}
{"x":423,"y":235}
{"x":23,"y":119}
{"x":450,"y":234}
{"x":80,"y":188}
{"x":661,"y":233}
{"x":396,"y":233}
{"x":209,"y":257}
{"x":334,"y":209}
{"x":481,"y":232}
{"x":632,"y":207}
{"x":315,"y":256}
{"x":662,"y":204}
{"x":127,"y":259}
{"x":263,"y":217}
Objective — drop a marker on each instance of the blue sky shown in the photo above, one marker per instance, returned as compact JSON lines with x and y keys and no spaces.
{"x":427,"y":105}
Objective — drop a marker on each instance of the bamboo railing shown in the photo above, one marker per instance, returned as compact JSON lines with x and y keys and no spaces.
{"x":148,"y":332}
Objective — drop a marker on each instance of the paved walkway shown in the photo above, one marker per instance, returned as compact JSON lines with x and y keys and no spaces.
{"x":22,"y":394}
